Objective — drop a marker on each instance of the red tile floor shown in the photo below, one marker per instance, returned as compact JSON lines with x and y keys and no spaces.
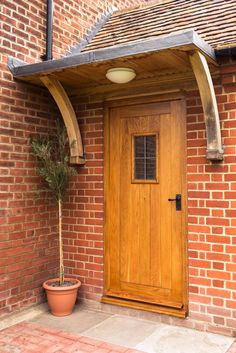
{"x":32,"y":338}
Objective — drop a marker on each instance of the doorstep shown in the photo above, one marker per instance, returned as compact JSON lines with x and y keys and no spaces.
{"x":138,"y":334}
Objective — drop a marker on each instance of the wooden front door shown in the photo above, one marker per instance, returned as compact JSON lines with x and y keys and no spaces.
{"x":144,"y":231}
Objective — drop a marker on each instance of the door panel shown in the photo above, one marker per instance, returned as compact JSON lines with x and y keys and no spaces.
{"x":145,"y":235}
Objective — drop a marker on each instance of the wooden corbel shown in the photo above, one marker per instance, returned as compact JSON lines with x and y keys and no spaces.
{"x":203,"y":77}
{"x":67,"y":111}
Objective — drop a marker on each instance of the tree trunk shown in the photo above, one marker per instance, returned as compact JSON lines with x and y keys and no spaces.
{"x":60,"y":243}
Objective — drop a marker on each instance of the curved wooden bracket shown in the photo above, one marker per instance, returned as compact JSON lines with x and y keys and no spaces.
{"x":203,"y":76}
{"x":67,"y":111}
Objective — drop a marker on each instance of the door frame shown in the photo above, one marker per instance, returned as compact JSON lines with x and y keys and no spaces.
{"x":128,"y":303}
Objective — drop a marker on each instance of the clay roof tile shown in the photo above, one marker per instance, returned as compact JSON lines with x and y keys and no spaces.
{"x":213,"y":20}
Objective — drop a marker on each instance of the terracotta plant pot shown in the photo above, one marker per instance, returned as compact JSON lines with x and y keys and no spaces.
{"x":61,"y":300}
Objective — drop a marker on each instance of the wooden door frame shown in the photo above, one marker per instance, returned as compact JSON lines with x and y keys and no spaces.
{"x":121,"y":302}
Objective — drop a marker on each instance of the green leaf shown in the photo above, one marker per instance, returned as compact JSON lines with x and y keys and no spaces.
{"x":53,"y":153}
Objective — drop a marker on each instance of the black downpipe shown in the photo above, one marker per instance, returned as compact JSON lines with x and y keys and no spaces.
{"x":49,"y":31}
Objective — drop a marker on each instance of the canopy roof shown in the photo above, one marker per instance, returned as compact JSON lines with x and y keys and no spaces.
{"x":154,"y":40}
{"x":169,"y":40}
{"x":156,"y":57}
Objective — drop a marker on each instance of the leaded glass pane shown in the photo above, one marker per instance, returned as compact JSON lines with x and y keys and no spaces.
{"x":145,"y":157}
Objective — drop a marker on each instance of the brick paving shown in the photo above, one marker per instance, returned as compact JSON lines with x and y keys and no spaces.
{"x":32,"y":338}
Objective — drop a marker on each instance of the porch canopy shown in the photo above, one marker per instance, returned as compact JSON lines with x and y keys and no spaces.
{"x":142,"y":39}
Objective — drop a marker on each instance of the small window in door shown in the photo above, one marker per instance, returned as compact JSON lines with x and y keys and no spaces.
{"x":145,"y":158}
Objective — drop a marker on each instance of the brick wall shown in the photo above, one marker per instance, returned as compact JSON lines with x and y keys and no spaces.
{"x":28,"y":219}
{"x":83,"y":214}
{"x":28,"y":226}
{"x":212,"y":211}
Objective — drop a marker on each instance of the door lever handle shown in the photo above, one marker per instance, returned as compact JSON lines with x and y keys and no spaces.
{"x":178,"y":202}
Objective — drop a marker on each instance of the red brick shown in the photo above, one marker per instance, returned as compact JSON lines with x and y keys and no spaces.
{"x":218,"y":274}
{"x":217,"y":221}
{"x":231,"y":267}
{"x":215,"y":292}
{"x":219,"y":320}
{"x":218,"y":265}
{"x":218,"y":239}
{"x":230,"y":213}
{"x":231,"y":304}
{"x":219,"y":311}
{"x":218,"y":256}
{"x":199,"y":263}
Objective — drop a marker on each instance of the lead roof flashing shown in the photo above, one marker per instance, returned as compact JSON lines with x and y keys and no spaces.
{"x":76,"y":49}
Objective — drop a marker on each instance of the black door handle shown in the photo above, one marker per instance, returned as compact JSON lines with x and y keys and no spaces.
{"x":178,"y":202}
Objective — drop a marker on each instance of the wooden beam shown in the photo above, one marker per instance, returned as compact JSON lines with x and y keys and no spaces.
{"x":203,"y":76}
{"x":67,"y":111}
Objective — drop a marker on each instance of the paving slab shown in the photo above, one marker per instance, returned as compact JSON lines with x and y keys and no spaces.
{"x":122,"y":330}
{"x":174,"y":339}
{"x":78,"y":322}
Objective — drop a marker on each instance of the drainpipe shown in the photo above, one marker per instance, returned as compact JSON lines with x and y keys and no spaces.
{"x":49,"y":31}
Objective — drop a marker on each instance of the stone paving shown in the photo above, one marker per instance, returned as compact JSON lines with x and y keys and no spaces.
{"x":32,"y":338}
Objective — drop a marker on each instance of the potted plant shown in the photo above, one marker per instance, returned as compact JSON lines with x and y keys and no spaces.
{"x":53,"y":153}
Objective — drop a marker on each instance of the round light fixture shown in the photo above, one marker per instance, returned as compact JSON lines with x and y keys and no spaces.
{"x":120,"y":74}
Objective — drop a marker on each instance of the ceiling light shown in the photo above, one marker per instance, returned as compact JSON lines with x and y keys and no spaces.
{"x":120,"y":74}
